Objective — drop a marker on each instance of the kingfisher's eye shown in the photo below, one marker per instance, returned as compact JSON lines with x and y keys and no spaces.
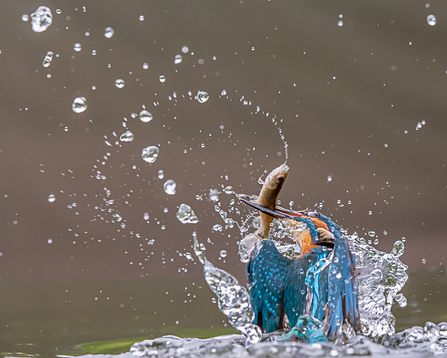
{"x":280,"y":179}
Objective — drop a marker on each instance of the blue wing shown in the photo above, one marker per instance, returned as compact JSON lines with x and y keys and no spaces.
{"x":266,"y":272}
{"x":297,"y":295}
{"x":342,"y":301}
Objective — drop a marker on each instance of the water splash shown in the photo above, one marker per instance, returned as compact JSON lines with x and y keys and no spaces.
{"x":146,"y":116}
{"x":41,"y":19}
{"x":150,"y":154}
{"x":127,"y":137}
{"x":202,"y":96}
{"x":186,"y":215}
{"x":48,"y":58}
{"x":119,"y":83}
{"x":381,"y":277}
{"x":79,"y":105}
{"x":233,"y":299}
{"x":169,"y":187}
{"x":109,"y":32}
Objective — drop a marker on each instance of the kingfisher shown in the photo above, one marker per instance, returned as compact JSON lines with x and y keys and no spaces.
{"x":320,"y":282}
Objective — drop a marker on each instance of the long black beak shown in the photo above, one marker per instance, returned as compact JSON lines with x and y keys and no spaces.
{"x":272,"y":212}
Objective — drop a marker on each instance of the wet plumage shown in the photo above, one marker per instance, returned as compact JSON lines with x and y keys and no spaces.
{"x":321,"y":282}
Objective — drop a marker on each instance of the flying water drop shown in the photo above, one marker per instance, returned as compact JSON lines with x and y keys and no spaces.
{"x":127,"y":137}
{"x":162,"y":78}
{"x":79,"y":105}
{"x":228,"y":190}
{"x":48,"y":58}
{"x":161,"y":174}
{"x":150,"y":154}
{"x":178,"y":59}
{"x":41,"y":19}
{"x":146,"y":116}
{"x":77,"y":47}
{"x":108,"y":32}
{"x":169,"y":187}
{"x":51,"y":198}
{"x":202,"y":96}
{"x":431,"y":20}
{"x":186,"y":215}
{"x":119,"y":83}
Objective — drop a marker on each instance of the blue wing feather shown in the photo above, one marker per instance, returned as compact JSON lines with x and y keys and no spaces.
{"x":266,"y":272}
{"x":297,"y":294}
{"x":342,"y":300}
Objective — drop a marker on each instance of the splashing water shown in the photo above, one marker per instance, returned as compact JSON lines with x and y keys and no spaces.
{"x":169,"y":187}
{"x":381,"y":276}
{"x":146,"y":116}
{"x":150,"y":154}
{"x":186,"y":215}
{"x":48,"y":58}
{"x":127,"y":137}
{"x":233,"y":299}
{"x":202,"y":96}
{"x":79,"y":105}
{"x":109,"y":32}
{"x":41,"y":19}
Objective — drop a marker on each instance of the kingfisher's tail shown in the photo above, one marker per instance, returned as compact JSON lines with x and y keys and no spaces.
{"x":343,"y":305}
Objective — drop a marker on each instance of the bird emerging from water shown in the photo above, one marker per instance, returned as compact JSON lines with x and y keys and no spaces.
{"x":321,"y":282}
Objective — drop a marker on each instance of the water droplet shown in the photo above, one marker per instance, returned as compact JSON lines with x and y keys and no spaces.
{"x":214,"y":195}
{"x":185,"y":49}
{"x":202,"y":96}
{"x":127,"y":137}
{"x":94,"y":52}
{"x":223,"y":253}
{"x":424,"y":261}
{"x":25,"y":17}
{"x":169,"y":187}
{"x":145,"y":66}
{"x":146,"y":216}
{"x":119,"y":83}
{"x":228,"y":190}
{"x":77,"y":47}
{"x":141,"y":18}
{"x":217,"y":227}
{"x":329,"y":178}
{"x":371,"y":233}
{"x":50,"y":241}
{"x":51,"y":198}
{"x":146,"y":116}
{"x":186,"y":215}
{"x":178,"y":59}
{"x":79,"y":105}
{"x":340,"y":23}
{"x":401,"y":300}
{"x":41,"y":19}
{"x":338,"y":275}
{"x":161,"y":175}
{"x":48,"y":58}
{"x":162,"y":78}
{"x":398,"y":249}
{"x":108,"y":32}
{"x":431,"y":20}
{"x":150,"y":154}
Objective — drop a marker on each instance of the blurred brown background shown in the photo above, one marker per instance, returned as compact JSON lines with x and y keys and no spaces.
{"x":347,"y":83}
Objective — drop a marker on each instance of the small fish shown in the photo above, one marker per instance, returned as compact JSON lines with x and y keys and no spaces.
{"x":267,"y":198}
